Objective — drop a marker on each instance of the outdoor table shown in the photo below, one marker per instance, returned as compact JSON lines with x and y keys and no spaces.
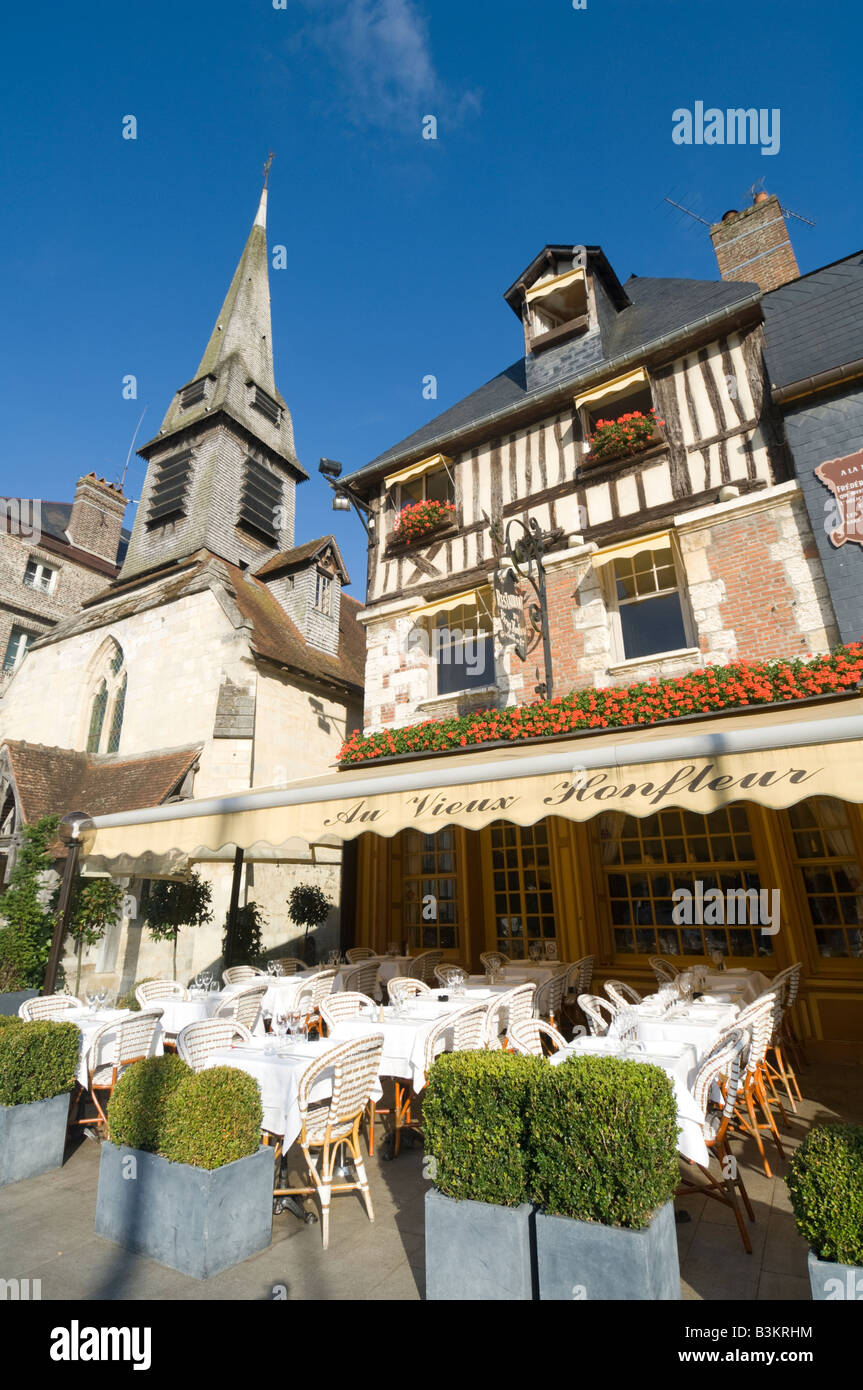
{"x":404,"y":1039}
{"x":699,"y":1024}
{"x":678,"y":1063}
{"x":737,"y":983}
{"x":388,"y":968}
{"x":278,"y":1069}
{"x":282,"y":996}
{"x":535,"y":971}
{"x":88,"y":1025}
{"x":176,"y":1013}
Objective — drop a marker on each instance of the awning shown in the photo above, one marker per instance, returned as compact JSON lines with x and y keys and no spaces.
{"x":618,"y":387}
{"x":416,"y":470}
{"x":468,"y":598}
{"x":773,"y":757}
{"x":659,"y":540}
{"x":559,"y":282}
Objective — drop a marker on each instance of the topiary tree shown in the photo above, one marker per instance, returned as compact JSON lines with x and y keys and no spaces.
{"x":825,"y":1184}
{"x":136,"y":1110}
{"x":171,"y":906}
{"x":308,"y":906}
{"x":27,"y":909}
{"x":95,"y":907}
{"x":248,"y":943}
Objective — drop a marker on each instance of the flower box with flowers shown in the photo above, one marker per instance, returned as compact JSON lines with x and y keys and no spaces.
{"x":418,"y":519}
{"x":628,"y":434}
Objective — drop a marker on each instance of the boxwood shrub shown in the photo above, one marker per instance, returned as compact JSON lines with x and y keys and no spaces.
{"x":37,"y":1060}
{"x":603,"y":1140}
{"x":136,"y":1110}
{"x":7,"y":1019}
{"x":212,"y":1118}
{"x":128,"y":1000}
{"x":825,"y":1183}
{"x":474,"y":1121}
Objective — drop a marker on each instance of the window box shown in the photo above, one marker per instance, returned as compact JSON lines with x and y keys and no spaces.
{"x":624,"y":436}
{"x":417,"y":520}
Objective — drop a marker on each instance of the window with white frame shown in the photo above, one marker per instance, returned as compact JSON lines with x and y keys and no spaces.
{"x":463,"y":650}
{"x":19,"y":642}
{"x":40,"y":576}
{"x":648,"y":613}
{"x":323,"y":593}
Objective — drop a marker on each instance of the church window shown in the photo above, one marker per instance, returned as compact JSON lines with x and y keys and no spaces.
{"x":97,"y":718}
{"x":107,"y":699}
{"x":168,"y":498}
{"x":117,"y":718}
{"x":260,"y":501}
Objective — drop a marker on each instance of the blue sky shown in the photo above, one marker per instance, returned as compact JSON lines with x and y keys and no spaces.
{"x":554,"y":124}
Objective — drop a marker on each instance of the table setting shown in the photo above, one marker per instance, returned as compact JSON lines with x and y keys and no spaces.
{"x":668,"y":1017}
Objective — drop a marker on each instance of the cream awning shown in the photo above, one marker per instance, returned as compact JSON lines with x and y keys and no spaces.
{"x":468,"y":598}
{"x":416,"y":470}
{"x":772,"y":757}
{"x":659,"y":540}
{"x":559,"y":282}
{"x":611,"y":389}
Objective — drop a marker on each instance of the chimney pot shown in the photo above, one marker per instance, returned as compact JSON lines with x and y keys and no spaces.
{"x":753,"y":246}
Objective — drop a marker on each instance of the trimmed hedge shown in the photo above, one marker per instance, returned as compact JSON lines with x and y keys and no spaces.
{"x":825,"y":1183}
{"x":129,"y":1001}
{"x":603,"y":1140}
{"x":212,"y":1118}
{"x":474,"y":1122}
{"x":136,"y":1110}
{"x":6,"y":1020}
{"x":594,"y":1139}
{"x":37,"y":1061}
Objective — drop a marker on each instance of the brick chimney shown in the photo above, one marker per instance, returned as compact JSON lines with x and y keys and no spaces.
{"x":96,"y":520}
{"x":754,"y":245}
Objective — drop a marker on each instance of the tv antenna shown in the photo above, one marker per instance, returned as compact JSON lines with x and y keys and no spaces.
{"x":688,"y":211}
{"x":758,"y":187}
{"x":131,"y":447}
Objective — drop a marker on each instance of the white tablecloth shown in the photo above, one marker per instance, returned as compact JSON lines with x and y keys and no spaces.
{"x":278,"y":1076}
{"x":404,"y":1040}
{"x":282,"y":996}
{"x":388,"y":968}
{"x":696,"y":1023}
{"x":678,"y":1067}
{"x":537,"y":971}
{"x":739,"y":986}
{"x":88,"y":1026}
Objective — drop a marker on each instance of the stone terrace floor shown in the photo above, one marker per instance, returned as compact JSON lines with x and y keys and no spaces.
{"x":46,"y":1231}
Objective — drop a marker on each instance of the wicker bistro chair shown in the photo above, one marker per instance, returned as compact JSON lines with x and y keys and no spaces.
{"x":244,"y":1006}
{"x":759,"y":1021}
{"x":345,"y":1004}
{"x":363,"y":978}
{"x":579,"y":978}
{"x":423,"y":966}
{"x":335,"y":1123}
{"x":405,"y":987}
{"x":493,"y":960}
{"x":665,"y":972}
{"x":621,"y":994}
{"x":548,"y":999}
{"x":780,"y":1068}
{"x":151,"y":991}
{"x":198,"y":1040}
{"x":321,"y":987}
{"x":535,"y":1037}
{"x":358,"y":953}
{"x":449,"y":974}
{"x":236,"y":973}
{"x":50,"y":1006}
{"x":462,"y":1031}
{"x":289,"y":965}
{"x":600,"y":1014}
{"x":132,"y":1041}
{"x":721,"y":1068}
{"x":517,"y":1004}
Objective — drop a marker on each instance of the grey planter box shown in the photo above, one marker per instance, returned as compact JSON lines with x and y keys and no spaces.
{"x":196,"y":1220}
{"x":32,"y":1138}
{"x":833,"y":1283}
{"x":477,"y":1250}
{"x":10,"y":1003}
{"x":583,"y":1260}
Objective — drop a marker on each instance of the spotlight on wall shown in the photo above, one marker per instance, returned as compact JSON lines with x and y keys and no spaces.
{"x":330,"y":468}
{"x":340,"y":503}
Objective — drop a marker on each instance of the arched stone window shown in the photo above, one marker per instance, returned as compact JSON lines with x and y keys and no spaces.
{"x":107,"y":699}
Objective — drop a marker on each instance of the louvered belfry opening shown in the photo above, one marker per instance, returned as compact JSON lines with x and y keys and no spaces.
{"x":266,"y":405}
{"x":259,"y":502}
{"x":168,"y":499}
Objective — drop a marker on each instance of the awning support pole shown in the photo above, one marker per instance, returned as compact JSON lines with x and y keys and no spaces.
{"x":231,"y":932}
{"x":63,"y":918}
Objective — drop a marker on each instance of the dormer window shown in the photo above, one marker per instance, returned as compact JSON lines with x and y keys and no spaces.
{"x":556,"y":307}
{"x":260,"y":502}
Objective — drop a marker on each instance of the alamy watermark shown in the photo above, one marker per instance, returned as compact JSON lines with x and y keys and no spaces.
{"x":22,"y":516}
{"x":733,"y":126}
{"x":731,"y":907}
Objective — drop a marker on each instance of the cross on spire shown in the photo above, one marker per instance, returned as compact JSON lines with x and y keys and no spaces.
{"x":267,"y":167}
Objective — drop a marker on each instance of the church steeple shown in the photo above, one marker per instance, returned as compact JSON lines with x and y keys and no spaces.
{"x":222,"y":470}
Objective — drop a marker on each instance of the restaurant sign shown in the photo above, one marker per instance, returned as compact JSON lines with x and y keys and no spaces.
{"x":844,"y":510}
{"x":509,"y":597}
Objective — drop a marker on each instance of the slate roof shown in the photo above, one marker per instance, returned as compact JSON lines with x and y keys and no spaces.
{"x":815,"y":323}
{"x":54,"y":781}
{"x":658,"y":307}
{"x":54,"y":521}
{"x":300,"y":554}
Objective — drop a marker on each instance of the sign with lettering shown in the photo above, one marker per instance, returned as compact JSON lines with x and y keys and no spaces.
{"x":844,"y":512}
{"x":510,"y":607}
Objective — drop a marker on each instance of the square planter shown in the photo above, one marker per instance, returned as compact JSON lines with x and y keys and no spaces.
{"x":10,"y":1003}
{"x":196,"y":1220}
{"x":32,"y":1138}
{"x":584,"y":1260}
{"x":834,"y":1283}
{"x":477,"y":1250}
